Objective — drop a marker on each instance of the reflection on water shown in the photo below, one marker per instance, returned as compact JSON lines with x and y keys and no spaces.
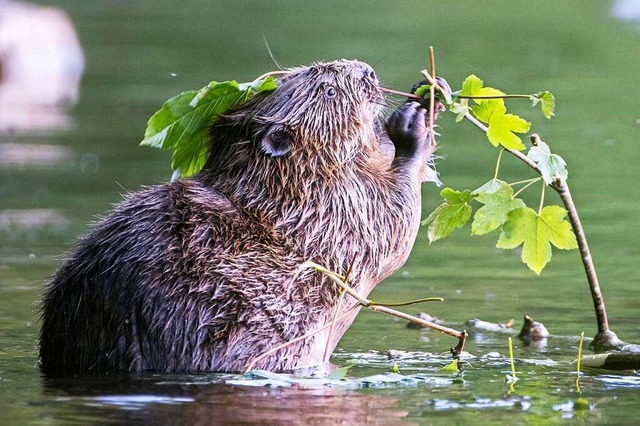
{"x":26,"y":154}
{"x":25,"y":226}
{"x":627,"y":10}
{"x":41,"y":63}
{"x":27,"y":219}
{"x":157,"y":401}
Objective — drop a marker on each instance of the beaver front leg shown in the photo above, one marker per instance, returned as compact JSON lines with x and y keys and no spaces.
{"x":408,"y":129}
{"x":408,"y":126}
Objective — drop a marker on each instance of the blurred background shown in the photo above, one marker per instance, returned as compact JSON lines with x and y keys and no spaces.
{"x":79,"y":79}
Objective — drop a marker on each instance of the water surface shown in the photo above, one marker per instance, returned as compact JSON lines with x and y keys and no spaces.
{"x":54,"y":182}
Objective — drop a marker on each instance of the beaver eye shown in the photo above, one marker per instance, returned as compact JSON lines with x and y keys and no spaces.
{"x":330,"y":92}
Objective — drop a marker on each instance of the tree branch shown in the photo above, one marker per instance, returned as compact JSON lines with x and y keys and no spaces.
{"x":605,"y":339}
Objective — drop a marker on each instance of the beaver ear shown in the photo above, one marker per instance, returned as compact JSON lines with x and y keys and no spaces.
{"x":276,"y":142}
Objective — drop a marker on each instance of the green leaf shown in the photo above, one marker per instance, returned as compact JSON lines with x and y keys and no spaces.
{"x":536,"y":233}
{"x":497,"y":205}
{"x":502,"y":131}
{"x":181,"y":124}
{"x":453,"y":213}
{"x":551,"y":166}
{"x":339,"y":373}
{"x":160,"y":122}
{"x":452,"y":367}
{"x":547,"y":101}
{"x":473,"y":86}
{"x":423,"y":90}
{"x":488,"y":108}
{"x":460,"y":109}
{"x":501,"y":126}
{"x":490,"y":187}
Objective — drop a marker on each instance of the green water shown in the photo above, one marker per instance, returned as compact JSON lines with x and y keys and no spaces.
{"x":141,"y":52}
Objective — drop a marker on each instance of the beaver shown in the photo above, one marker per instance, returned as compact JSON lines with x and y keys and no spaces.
{"x":202,"y":274}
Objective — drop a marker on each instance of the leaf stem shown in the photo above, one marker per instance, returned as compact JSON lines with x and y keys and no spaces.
{"x":270,"y":74}
{"x":544,"y":186}
{"x":494,"y":97}
{"x":520,"y":182}
{"x":531,"y":182}
{"x":495,"y":174}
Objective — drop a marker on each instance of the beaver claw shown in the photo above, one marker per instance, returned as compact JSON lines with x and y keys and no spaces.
{"x":407,"y":128}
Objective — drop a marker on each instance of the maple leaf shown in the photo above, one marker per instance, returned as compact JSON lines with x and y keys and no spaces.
{"x":473,"y":86}
{"x":498,"y":202}
{"x":453,"y":213}
{"x":547,"y":101}
{"x":181,"y":124}
{"x":536,"y":233}
{"x":460,"y":109}
{"x":550,"y":165}
{"x":501,"y":127}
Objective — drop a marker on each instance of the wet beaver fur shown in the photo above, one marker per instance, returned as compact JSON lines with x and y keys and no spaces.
{"x":202,"y":274}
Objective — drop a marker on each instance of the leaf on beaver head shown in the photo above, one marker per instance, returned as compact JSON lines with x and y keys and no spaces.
{"x":181,"y":124}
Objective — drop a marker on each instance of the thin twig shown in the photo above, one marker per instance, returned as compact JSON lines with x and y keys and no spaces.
{"x":400,"y":93}
{"x":336,"y":278}
{"x":432,"y":99}
{"x":410,"y":302}
{"x":325,"y":356}
{"x":270,"y":74}
{"x":275,"y":349}
{"x":445,"y":330}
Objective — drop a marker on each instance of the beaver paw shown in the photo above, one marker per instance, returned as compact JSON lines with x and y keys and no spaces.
{"x":407,"y":128}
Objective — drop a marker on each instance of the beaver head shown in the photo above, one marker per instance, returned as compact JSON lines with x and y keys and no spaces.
{"x":320,"y":117}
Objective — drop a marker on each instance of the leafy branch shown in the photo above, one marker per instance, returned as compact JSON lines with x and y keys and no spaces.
{"x":519,"y":224}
